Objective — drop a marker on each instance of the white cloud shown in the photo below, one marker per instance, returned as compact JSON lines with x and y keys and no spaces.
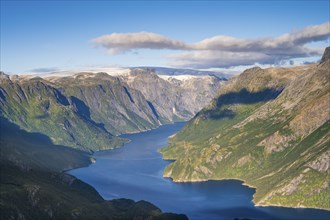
{"x":44,"y":69}
{"x":223,"y":51}
{"x":290,"y":43}
{"x":120,"y":42}
{"x":211,"y":58}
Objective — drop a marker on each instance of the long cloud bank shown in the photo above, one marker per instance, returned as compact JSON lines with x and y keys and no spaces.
{"x":222,"y":51}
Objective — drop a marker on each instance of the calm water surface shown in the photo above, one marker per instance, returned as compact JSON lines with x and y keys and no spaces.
{"x":135,"y":171}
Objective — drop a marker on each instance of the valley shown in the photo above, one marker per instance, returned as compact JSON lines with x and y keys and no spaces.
{"x":164,"y":110}
{"x":253,"y":130}
{"x":53,"y":124}
{"x":140,"y":160}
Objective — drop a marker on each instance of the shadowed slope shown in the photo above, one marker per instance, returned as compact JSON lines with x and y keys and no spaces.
{"x":32,"y":185}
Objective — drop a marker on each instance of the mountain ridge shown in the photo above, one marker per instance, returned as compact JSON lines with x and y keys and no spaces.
{"x":65,"y":107}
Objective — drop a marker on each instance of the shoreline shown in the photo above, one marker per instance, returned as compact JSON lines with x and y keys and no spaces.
{"x":249,"y":186}
{"x":244,"y":183}
{"x":292,"y":207}
{"x":93,"y":160}
{"x":205,"y":180}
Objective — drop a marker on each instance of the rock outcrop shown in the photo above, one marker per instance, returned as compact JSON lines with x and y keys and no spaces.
{"x":326,"y":55}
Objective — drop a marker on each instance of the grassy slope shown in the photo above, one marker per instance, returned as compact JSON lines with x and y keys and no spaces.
{"x":32,"y":184}
{"x":37,"y":106}
{"x":225,"y":139}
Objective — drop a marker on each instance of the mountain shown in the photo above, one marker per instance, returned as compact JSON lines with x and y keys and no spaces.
{"x":43,"y":116}
{"x":178,"y":72}
{"x":174,"y":98}
{"x":267,"y":127}
{"x":34,"y":186}
{"x":87,"y":110}
{"x":37,"y":105}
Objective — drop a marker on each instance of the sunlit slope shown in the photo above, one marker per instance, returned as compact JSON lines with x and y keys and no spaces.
{"x":38,"y":106}
{"x":268,"y":127}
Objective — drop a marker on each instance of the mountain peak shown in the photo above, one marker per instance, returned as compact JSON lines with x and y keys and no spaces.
{"x":3,"y":75}
{"x":326,"y":55}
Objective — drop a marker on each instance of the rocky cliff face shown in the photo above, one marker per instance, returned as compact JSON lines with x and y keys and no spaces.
{"x":171,"y":98}
{"x":269,"y":127}
{"x":110,"y":102}
{"x":86,"y":110}
{"x":326,"y":55}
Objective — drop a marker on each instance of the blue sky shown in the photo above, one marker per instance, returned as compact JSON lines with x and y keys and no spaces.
{"x":59,"y":34}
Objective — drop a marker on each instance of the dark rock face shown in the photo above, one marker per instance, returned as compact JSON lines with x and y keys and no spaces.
{"x":326,"y":55}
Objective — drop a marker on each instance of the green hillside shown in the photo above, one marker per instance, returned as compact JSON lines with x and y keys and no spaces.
{"x":33,"y":186}
{"x":268,"y":127}
{"x":37,"y":106}
{"x":87,"y":111}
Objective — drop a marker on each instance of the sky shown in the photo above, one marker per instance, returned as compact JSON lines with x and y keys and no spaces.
{"x":41,"y":36}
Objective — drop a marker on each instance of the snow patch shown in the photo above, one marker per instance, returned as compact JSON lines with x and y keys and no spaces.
{"x":181,"y":77}
{"x":112,"y":71}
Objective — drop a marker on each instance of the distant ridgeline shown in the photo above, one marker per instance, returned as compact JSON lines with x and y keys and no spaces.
{"x":86,"y":110}
{"x":268,"y":127}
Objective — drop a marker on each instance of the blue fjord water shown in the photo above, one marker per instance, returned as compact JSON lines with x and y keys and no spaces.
{"x":135,"y":171}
